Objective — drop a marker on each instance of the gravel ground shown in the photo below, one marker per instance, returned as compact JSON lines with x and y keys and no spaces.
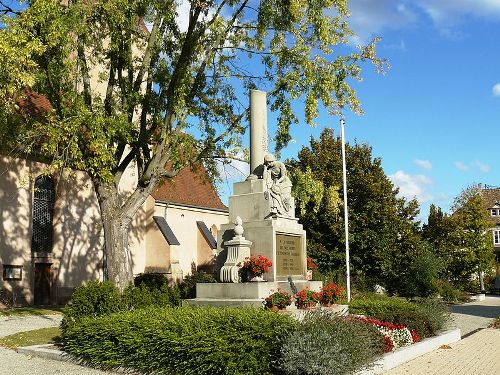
{"x":20,"y":364}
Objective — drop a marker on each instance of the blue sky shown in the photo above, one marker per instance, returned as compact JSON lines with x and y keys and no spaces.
{"x":433,"y":117}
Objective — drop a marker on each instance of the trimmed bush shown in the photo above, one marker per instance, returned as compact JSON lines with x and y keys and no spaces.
{"x":327,"y":344}
{"x":188,"y":285}
{"x":189,"y":340}
{"x":151,"y":280}
{"x":95,"y":298}
{"x":425,"y":316}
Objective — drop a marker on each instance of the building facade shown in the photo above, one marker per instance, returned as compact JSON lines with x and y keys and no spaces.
{"x":491,"y":197}
{"x":51,"y":237}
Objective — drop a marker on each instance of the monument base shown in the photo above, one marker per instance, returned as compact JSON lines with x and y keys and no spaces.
{"x":244,"y":294}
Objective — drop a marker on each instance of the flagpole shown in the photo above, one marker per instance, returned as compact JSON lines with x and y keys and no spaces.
{"x":346,"y":218}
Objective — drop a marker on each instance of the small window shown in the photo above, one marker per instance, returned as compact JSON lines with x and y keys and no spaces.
{"x":11,"y":272}
{"x":496,"y":237}
{"x":495,"y":212}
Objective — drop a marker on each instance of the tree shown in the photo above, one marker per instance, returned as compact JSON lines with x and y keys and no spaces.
{"x":472,"y":236}
{"x":462,"y":239}
{"x":167,"y":97}
{"x":384,"y":237}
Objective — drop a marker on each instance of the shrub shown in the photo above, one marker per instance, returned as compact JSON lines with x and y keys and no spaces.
{"x":189,"y":340}
{"x":425,"y":316}
{"x":422,"y":277}
{"x":143,"y":296}
{"x":188,"y":285}
{"x":448,"y":292}
{"x":95,"y":298}
{"x":327,"y":344}
{"x":151,"y":280}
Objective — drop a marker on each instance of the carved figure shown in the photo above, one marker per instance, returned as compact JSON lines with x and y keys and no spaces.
{"x":279,"y":186}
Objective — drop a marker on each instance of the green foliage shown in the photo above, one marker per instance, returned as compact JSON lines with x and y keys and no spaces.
{"x":200,"y":340}
{"x":422,"y":277}
{"x":448,"y":292}
{"x":124,"y":96}
{"x":425,"y":316}
{"x":97,"y":298}
{"x":384,"y":236}
{"x":281,"y":299}
{"x":327,"y":344}
{"x":188,"y":285}
{"x":151,"y":280}
{"x":462,"y":240}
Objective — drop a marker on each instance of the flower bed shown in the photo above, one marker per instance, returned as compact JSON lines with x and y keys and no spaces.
{"x":395,"y":335}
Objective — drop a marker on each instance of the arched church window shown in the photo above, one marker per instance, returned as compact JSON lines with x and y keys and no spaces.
{"x":43,"y":212}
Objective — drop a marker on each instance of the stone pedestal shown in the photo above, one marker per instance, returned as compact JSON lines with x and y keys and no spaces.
{"x":253,"y":294}
{"x":279,"y":238}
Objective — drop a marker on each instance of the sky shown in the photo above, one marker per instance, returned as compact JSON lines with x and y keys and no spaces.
{"x":433,"y":117}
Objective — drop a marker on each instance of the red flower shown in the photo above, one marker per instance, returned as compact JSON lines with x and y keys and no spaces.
{"x":388,"y":344}
{"x":255,"y":265}
{"x":414,"y":336}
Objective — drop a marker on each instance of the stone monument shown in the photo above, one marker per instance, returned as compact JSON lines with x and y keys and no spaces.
{"x":264,"y":208}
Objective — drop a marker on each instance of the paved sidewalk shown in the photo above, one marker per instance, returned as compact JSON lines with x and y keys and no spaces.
{"x":477,"y":354}
{"x":20,"y":364}
{"x":471,"y":316}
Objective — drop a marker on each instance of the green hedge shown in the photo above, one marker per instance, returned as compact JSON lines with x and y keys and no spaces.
{"x":190,"y":340}
{"x":97,"y":298}
{"x":425,"y":316}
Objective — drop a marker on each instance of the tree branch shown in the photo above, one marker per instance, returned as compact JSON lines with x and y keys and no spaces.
{"x":87,"y":94}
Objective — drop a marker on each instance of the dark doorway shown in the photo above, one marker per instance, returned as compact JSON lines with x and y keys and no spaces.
{"x":43,"y":283}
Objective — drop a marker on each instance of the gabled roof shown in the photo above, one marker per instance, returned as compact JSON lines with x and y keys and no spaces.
{"x":491,"y":197}
{"x":189,"y":187}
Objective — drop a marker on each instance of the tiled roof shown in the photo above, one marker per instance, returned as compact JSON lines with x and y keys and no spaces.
{"x":491,"y":196}
{"x":191,"y":188}
{"x":33,"y":104}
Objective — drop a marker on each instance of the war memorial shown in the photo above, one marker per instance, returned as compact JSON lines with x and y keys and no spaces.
{"x":261,"y":222}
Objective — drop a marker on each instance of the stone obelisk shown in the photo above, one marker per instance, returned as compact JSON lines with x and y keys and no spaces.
{"x":258,"y":128}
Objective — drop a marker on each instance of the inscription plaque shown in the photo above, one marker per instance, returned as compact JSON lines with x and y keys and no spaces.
{"x":288,"y":255}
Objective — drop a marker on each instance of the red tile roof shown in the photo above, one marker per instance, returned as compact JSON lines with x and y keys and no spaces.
{"x":33,"y":104}
{"x":191,"y":188}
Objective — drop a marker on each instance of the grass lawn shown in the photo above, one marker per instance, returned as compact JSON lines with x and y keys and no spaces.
{"x":23,"y":311}
{"x":36,"y":337}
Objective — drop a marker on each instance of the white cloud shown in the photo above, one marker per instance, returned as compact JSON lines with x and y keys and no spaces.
{"x":423,"y":164}
{"x":461,"y":166}
{"x":412,"y":186}
{"x":496,"y":89}
{"x":476,"y":165}
{"x":371,"y":17}
{"x":449,"y":12}
{"x":485,"y":168}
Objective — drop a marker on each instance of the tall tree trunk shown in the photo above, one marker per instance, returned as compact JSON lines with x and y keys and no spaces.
{"x":116,"y":227}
